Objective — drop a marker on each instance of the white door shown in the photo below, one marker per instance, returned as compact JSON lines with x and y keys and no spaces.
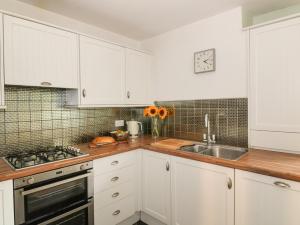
{"x":102,"y":69}
{"x":202,"y":194}
{"x":1,"y":63}
{"x":264,"y":200}
{"x":275,"y":80}
{"x":39,"y":55}
{"x":138,"y":71}
{"x":156,"y":186}
{"x":6,"y":203}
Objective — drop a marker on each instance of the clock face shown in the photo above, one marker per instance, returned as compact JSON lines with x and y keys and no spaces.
{"x":205,"y":61}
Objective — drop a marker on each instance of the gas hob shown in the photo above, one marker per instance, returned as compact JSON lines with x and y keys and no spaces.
{"x":42,"y":156}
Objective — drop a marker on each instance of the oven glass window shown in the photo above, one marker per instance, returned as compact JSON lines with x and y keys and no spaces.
{"x":78,"y":218}
{"x":46,"y":203}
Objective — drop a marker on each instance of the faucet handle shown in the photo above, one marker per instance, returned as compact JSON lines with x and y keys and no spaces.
{"x":204,"y":137}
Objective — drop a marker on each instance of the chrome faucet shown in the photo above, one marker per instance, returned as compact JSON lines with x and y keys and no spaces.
{"x":208,"y":138}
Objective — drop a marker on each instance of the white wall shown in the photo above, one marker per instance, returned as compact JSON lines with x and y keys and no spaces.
{"x":173,"y":52}
{"x":36,"y":13}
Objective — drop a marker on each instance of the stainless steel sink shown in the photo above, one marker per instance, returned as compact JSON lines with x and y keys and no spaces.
{"x":218,"y":151}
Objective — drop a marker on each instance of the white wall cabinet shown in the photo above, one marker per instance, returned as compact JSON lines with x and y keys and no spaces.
{"x":156,"y":195}
{"x":202,"y":194}
{"x":39,"y":55}
{"x":6,"y":203}
{"x":274,"y":86}
{"x":138,"y":71}
{"x":102,"y":68}
{"x":264,"y":200}
{"x":2,"y":104}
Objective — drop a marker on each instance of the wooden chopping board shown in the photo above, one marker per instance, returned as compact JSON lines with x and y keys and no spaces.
{"x":172,"y":143}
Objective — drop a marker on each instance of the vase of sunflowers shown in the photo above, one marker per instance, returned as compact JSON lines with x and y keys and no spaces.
{"x":156,"y":114}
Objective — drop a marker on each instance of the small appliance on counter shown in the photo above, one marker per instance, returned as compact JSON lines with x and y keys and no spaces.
{"x":134,"y":128}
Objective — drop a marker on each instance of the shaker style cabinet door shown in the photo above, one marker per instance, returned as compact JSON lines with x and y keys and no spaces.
{"x":6,"y":203}
{"x":202,"y":194}
{"x":102,"y":72}
{"x":264,"y":200}
{"x":39,"y":55}
{"x":138,"y":71}
{"x":274,"y":85}
{"x":156,"y":186}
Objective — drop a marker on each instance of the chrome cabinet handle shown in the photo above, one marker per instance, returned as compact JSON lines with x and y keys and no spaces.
{"x":116,"y":194}
{"x":84,"y":92}
{"x":128,"y":94}
{"x":229,"y":183}
{"x":117,"y":212}
{"x":115,"y":163}
{"x":168,"y":166}
{"x":282,"y":184}
{"x":45,"y":83}
{"x":114,"y":179}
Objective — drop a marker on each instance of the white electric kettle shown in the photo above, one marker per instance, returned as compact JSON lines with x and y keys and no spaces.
{"x":133,"y":128}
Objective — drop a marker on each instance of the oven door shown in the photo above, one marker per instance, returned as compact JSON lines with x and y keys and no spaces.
{"x":37,"y":204}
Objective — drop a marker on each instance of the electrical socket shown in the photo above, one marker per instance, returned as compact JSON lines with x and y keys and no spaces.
{"x":119,"y":123}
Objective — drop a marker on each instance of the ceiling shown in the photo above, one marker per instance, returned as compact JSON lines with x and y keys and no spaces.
{"x":142,"y":19}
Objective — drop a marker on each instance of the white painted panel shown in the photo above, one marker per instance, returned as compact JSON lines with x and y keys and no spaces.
{"x":259,"y":201}
{"x":35,"y":53}
{"x":6,"y":203}
{"x":156,"y":186}
{"x":200,"y":193}
{"x":274,"y":77}
{"x":102,"y":72}
{"x":138,"y":72}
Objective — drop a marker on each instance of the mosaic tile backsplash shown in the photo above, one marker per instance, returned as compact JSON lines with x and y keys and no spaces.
{"x":37,"y":117}
{"x":228,"y":120}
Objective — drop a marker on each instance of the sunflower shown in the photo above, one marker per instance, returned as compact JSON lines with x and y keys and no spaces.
{"x":152,"y":110}
{"x":146,"y":112}
{"x":162,"y":113}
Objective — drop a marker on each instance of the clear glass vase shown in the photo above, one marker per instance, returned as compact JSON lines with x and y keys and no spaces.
{"x":155,"y":127}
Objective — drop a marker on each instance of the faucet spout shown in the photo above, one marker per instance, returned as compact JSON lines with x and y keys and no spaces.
{"x":210,"y":139}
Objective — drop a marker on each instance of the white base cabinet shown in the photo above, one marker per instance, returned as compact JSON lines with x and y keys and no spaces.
{"x":6,"y":203}
{"x":156,"y":195}
{"x":202,"y":194}
{"x":116,"y":188}
{"x":264,"y":200}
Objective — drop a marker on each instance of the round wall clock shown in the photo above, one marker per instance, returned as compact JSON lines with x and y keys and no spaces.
{"x":205,"y":61}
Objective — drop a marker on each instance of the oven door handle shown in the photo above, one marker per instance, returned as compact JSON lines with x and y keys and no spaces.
{"x":31,"y":191}
{"x":67,"y":213}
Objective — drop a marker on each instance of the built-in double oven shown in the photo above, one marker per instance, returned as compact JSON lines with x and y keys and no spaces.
{"x":58,"y":197}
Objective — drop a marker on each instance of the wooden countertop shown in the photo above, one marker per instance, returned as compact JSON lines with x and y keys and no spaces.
{"x":277,"y":164}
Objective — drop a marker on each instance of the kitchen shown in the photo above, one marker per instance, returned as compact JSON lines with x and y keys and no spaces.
{"x":112,"y":114}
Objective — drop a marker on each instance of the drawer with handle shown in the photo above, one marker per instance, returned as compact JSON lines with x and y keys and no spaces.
{"x":114,"y":162}
{"x":112,"y":195}
{"x":116,"y":212}
{"x":109,"y":180}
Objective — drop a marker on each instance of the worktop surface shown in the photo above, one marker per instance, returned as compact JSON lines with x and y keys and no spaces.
{"x":277,"y":164}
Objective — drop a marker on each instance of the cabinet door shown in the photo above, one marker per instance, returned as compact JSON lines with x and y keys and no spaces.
{"x":156,"y":186}
{"x":6,"y":203}
{"x":201,"y":193}
{"x":39,"y":55}
{"x":102,"y":68}
{"x":1,"y":63}
{"x":264,"y":200}
{"x":274,"y":77}
{"x":138,"y":71}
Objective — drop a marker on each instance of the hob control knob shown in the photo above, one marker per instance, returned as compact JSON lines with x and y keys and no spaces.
{"x":30,"y":180}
